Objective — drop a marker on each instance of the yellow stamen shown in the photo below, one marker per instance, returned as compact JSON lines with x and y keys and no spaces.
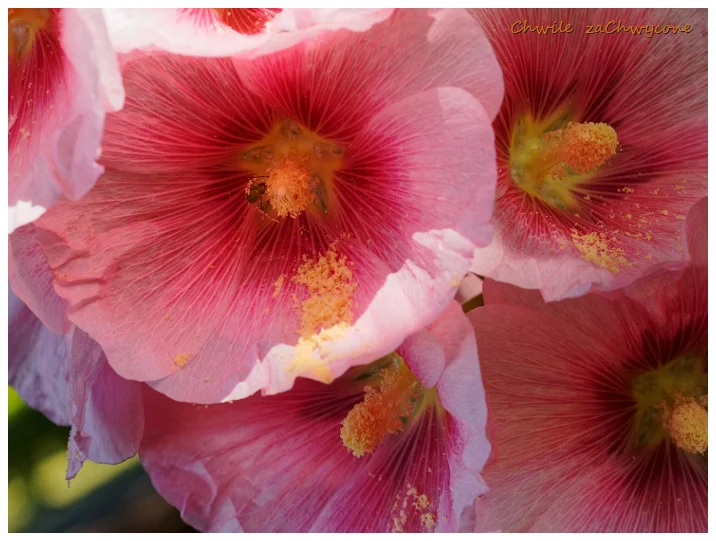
{"x":688,"y":426}
{"x":288,"y":186}
{"x":383,"y":411}
{"x":579,"y":147}
{"x":549,"y":162}
{"x":672,"y":403}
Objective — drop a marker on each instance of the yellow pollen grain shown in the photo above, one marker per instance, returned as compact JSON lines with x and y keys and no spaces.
{"x":331,"y":286}
{"x":688,"y":426}
{"x":583,"y":147}
{"x":427,"y":521}
{"x":381,"y":411}
{"x":288,"y":186}
{"x":597,"y":248}
{"x":401,"y":512}
{"x":180,"y":359}
{"x":278,"y":285}
{"x":664,"y":212}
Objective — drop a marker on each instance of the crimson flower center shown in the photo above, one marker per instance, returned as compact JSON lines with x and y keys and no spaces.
{"x":22,"y":25}
{"x":292,"y":171}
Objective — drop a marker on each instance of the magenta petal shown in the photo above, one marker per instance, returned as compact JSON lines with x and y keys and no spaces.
{"x":277,"y":463}
{"x":37,"y":363}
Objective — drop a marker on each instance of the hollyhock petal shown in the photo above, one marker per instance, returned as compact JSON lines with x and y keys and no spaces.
{"x":217,"y":309}
{"x":276,"y":463}
{"x":107,"y":414}
{"x":697,"y":232}
{"x":228,"y":32}
{"x":63,"y":80}
{"x":597,"y":231}
{"x":32,"y":280}
{"x":449,"y":47}
{"x":67,"y":378}
{"x":35,"y":363}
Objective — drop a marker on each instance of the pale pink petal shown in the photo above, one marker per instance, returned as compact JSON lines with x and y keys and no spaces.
{"x":32,"y":280}
{"x":37,"y":363}
{"x":277,"y":463}
{"x":59,"y":93}
{"x":107,"y":412}
{"x":167,"y":250}
{"x":191,"y":32}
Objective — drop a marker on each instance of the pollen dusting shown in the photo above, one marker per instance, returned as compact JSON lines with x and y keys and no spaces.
{"x":180,"y":359}
{"x":383,"y":411}
{"x":688,"y":426}
{"x":331,"y":286}
{"x":412,"y":504}
{"x":664,"y":212}
{"x":278,"y":285}
{"x":599,"y":249}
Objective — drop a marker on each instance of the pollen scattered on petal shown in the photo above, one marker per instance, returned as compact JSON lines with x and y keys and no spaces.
{"x":599,"y":249}
{"x":278,"y":285}
{"x":383,"y":411}
{"x":331,"y":286}
{"x":419,"y":511}
{"x":688,"y":426}
{"x":180,"y":359}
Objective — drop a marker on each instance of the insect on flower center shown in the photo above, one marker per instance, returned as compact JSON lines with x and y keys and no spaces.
{"x":672,"y":402}
{"x":385,"y":409}
{"x":22,"y":26}
{"x":549,"y":159}
{"x":292,"y":172}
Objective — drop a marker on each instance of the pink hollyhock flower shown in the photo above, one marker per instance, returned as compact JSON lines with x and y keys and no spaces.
{"x":64,"y":374}
{"x":62,"y":77}
{"x":289,"y":215}
{"x":396,"y":445}
{"x":228,"y":32}
{"x":598,"y":406}
{"x":601,"y":147}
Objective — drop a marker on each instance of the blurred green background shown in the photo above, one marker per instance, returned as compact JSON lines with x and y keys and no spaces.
{"x":102,"y":498}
